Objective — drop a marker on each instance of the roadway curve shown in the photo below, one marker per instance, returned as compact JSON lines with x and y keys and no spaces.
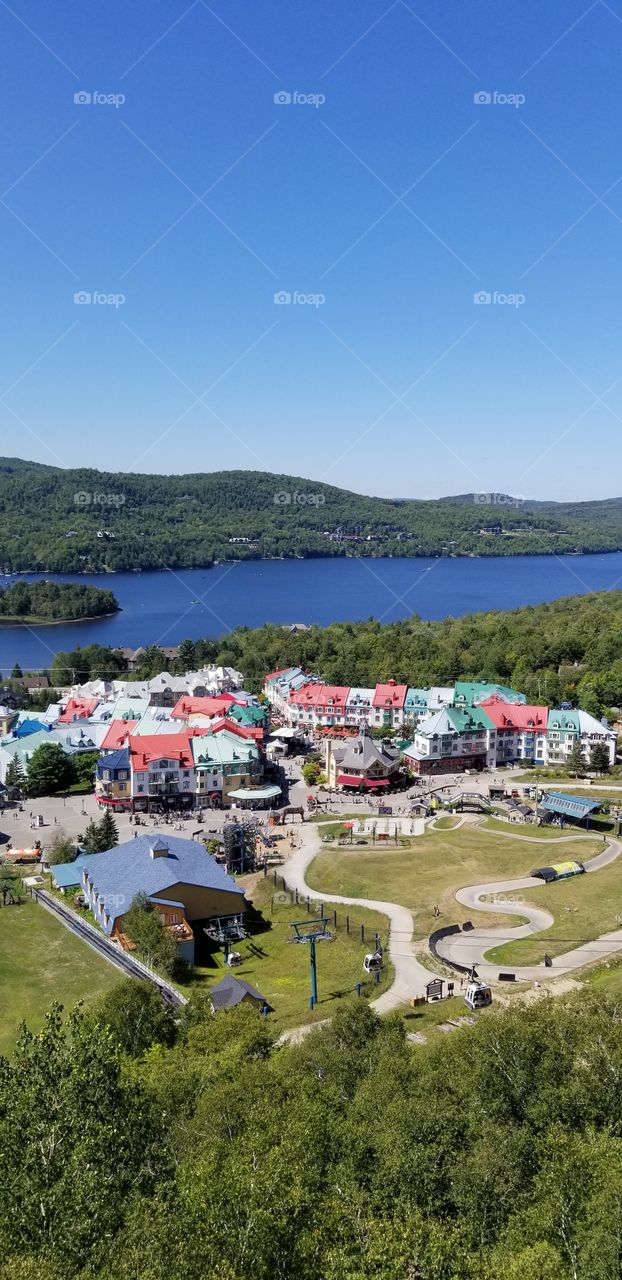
{"x":470,"y":948}
{"x":410,"y":975}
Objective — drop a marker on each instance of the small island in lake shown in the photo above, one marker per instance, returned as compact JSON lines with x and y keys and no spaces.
{"x":37,"y":603}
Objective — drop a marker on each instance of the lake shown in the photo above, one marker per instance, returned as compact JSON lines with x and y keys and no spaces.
{"x":166,"y":607}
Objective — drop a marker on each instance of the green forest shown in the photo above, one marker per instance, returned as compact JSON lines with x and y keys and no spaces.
{"x":132,"y":1148}
{"x":52,"y":602}
{"x":68,"y":521}
{"x":567,"y":651}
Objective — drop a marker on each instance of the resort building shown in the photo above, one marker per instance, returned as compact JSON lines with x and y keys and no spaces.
{"x":388,"y":705}
{"x":363,"y":763}
{"x":521,"y":730}
{"x":113,"y":779}
{"x":452,"y":740}
{"x":179,"y":877}
{"x":224,"y":762}
{"x":162,"y":771}
{"x":359,"y":707}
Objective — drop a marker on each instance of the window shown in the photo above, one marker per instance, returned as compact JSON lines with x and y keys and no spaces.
{"x":141,"y":788}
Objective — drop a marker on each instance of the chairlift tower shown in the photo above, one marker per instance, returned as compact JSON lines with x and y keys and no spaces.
{"x":311,"y":932}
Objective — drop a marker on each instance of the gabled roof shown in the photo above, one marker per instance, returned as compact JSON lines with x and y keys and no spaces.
{"x":362,"y":752}
{"x":519,"y":716}
{"x":132,"y":868}
{"x":565,"y":720}
{"x":114,"y":760}
{"x":320,"y":695}
{"x":221,"y":748}
{"x":78,"y":709}
{"x":214,"y":705}
{"x":391,"y":695}
{"x":228,"y":993}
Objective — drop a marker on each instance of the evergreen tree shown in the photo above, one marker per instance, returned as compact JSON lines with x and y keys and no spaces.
{"x":576,"y":759}
{"x":599,"y":758}
{"x":90,"y":840}
{"x":107,"y":832}
{"x":17,"y":673}
{"x":15,"y":774}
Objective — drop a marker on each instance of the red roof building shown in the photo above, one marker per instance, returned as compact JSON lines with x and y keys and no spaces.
{"x":78,"y":709}
{"x":390,"y":697}
{"x":165,"y":746}
{"x":118,"y":734}
{"x":321,"y":703}
{"x":210,"y":706}
{"x":505,"y":715}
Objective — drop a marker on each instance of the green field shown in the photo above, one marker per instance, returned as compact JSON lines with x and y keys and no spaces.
{"x":529,"y":829}
{"x":583,"y":907}
{"x":41,"y":961}
{"x":280,"y":970}
{"x":429,"y":869}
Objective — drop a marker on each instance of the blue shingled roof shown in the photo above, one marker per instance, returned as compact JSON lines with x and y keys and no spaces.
{"x":121,"y":873}
{"x":114,"y":760}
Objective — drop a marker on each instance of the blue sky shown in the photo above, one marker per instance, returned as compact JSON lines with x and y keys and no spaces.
{"x":379,"y":200}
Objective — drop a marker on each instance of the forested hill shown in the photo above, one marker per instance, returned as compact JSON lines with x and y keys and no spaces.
{"x":59,"y":520}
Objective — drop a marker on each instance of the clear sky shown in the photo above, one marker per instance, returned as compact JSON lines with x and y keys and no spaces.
{"x":379,"y":197}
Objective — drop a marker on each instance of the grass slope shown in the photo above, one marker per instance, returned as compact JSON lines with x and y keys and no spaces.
{"x":40,"y":961}
{"x":428,"y":871}
{"x":280,"y":971}
{"x":583,"y":909}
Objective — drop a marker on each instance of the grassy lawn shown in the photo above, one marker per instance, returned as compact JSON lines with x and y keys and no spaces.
{"x":528,"y":829}
{"x":280,"y":971}
{"x":40,"y":961}
{"x":605,"y":979}
{"x":446,"y":823}
{"x":583,"y":907}
{"x":429,"y":869}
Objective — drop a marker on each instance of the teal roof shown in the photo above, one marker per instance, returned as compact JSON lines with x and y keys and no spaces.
{"x":563,"y":720}
{"x":468,"y":692}
{"x":469,"y":719}
{"x":222,"y":748}
{"x":569,"y":806}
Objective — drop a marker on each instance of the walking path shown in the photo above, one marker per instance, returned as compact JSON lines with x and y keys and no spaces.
{"x":467,"y":948}
{"x":410,"y":975}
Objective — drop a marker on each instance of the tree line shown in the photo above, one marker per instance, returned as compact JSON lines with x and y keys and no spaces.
{"x":53,"y":601}
{"x":139,"y":1147}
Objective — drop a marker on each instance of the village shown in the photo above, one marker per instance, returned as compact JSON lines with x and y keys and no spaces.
{"x":210,"y":800}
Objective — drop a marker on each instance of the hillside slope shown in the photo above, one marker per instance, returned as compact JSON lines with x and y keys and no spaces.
{"x":50,"y":520}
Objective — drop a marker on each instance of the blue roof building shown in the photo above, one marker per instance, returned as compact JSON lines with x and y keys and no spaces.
{"x":566,"y":806}
{"x":177,"y":875}
{"x":68,"y":875}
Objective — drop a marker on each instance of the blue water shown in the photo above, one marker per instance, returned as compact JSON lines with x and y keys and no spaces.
{"x":166,"y":607}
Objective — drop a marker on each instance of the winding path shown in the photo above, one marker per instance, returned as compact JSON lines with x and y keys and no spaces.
{"x":464,"y":948}
{"x":470,"y":948}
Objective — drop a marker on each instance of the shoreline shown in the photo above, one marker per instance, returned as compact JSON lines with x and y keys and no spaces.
{"x":56,"y":622}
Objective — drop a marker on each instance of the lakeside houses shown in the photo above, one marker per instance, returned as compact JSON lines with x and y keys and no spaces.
{"x":364,"y":763}
{"x":179,"y":877}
